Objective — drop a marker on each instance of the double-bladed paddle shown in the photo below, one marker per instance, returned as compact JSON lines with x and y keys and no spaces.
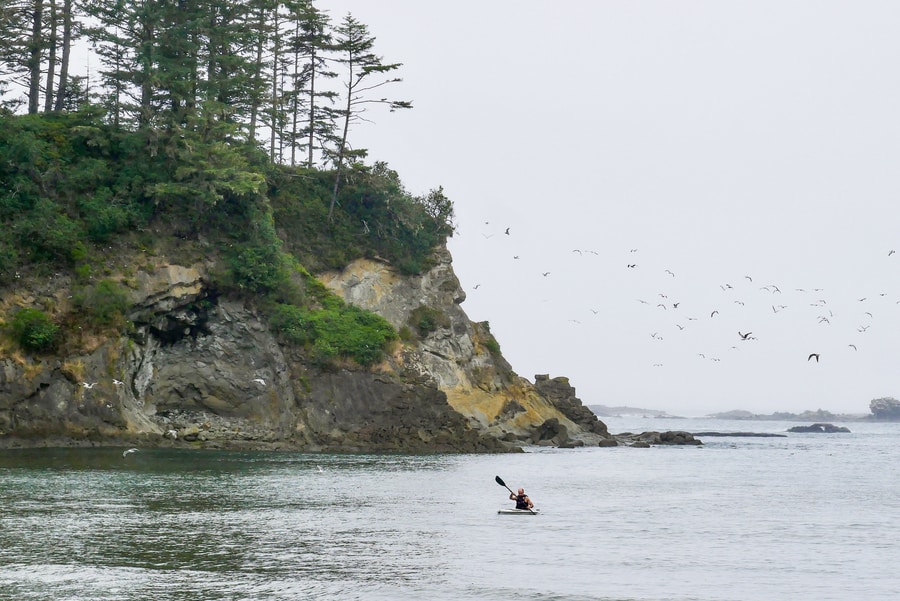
{"x":503,"y":484}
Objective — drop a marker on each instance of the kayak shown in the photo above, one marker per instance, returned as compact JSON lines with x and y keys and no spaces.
{"x":504,"y":511}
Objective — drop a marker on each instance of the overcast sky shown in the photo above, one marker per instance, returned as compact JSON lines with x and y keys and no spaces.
{"x":743,"y":156}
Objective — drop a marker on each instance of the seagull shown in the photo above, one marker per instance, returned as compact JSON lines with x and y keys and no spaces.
{"x":88,"y":385}
{"x":853,"y":346}
{"x":631,"y":265}
{"x":545,"y":274}
{"x":891,"y":252}
{"x":117,"y":382}
{"x":744,"y":336}
{"x":713,"y":313}
{"x":811,"y":355}
{"x":319,"y":467}
{"x":670,"y":273}
{"x":129,"y":452}
{"x":506,"y":232}
{"x":476,"y":286}
{"x":577,"y":251}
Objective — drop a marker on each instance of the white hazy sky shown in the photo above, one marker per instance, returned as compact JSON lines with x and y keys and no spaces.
{"x":738,"y":146}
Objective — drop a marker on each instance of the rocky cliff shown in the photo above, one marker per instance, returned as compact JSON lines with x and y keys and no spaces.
{"x":198,"y":368}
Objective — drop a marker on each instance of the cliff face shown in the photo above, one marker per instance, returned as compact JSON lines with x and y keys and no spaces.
{"x":203,"y":370}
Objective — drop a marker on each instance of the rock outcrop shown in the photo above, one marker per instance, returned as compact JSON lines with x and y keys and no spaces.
{"x":819,"y":429}
{"x":204,"y":370}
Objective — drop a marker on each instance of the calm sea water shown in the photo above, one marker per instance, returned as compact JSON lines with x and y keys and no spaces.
{"x":810,"y":516}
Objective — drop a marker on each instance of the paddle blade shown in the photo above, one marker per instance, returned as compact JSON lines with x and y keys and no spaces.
{"x":500,"y":481}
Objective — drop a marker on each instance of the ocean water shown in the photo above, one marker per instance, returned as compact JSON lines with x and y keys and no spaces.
{"x":805,"y":517}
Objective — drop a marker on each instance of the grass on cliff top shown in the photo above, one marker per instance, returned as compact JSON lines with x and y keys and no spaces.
{"x":81,"y":198}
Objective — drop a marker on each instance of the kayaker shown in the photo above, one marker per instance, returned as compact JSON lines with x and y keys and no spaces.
{"x":521,"y":499}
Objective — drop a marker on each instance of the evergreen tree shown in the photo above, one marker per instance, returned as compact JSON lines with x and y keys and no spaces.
{"x":309,"y":46}
{"x":364,"y":73}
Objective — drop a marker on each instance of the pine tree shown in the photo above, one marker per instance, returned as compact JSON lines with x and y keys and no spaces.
{"x":364,"y":73}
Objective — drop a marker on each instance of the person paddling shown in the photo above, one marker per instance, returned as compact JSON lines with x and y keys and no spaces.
{"x":521,"y":499}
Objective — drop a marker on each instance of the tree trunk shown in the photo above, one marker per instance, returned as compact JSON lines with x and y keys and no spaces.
{"x":340,"y":160}
{"x":34,"y":59}
{"x":312,"y":108}
{"x":61,"y":89}
{"x":257,"y":73}
{"x":51,"y":59}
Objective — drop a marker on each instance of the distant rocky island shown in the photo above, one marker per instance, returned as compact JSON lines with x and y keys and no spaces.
{"x":885,"y":409}
{"x":623,"y":411}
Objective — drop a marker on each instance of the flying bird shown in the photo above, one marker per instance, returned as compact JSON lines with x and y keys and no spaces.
{"x":713,"y":313}
{"x":88,"y":385}
{"x":506,"y":232}
{"x":631,"y":265}
{"x":744,"y":336}
{"x":891,"y":252}
{"x":670,"y":273}
{"x":117,"y":382}
{"x":546,"y":273}
{"x":811,"y":355}
{"x":129,"y":452}
{"x":476,"y":286}
{"x":259,"y":381}
{"x":853,"y":346}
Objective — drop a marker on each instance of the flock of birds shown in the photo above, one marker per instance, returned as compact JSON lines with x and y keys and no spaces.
{"x":745,"y":300}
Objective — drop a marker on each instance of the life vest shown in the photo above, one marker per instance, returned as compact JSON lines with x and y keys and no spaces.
{"x":521,"y":503}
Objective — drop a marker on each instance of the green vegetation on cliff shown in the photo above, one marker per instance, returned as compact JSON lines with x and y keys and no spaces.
{"x":74,"y":188}
{"x":210,"y":136}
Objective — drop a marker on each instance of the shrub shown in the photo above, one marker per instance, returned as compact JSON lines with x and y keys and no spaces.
{"x":339,"y":331}
{"x":34,"y":330}
{"x":103,"y":304}
{"x":427,"y":319}
{"x":9,"y":260}
{"x":293,"y":323}
{"x":492,"y":346}
{"x":353,"y":333}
